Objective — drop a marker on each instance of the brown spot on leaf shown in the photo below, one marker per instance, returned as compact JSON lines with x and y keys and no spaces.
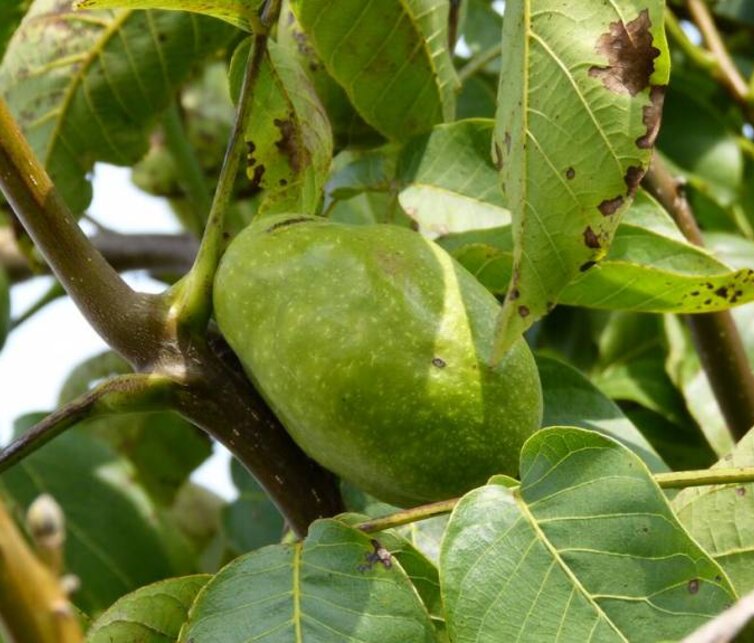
{"x":741,"y":491}
{"x":289,"y":144}
{"x":508,"y":142}
{"x":630,"y":55}
{"x":591,"y":239}
{"x":634,"y":175}
{"x":514,"y":294}
{"x":256,"y":179}
{"x":524,"y":311}
{"x":722,"y":292}
{"x":652,"y":117}
{"x":570,"y":174}
{"x":439,"y":362}
{"x":694,"y":586}
{"x":586,"y":266}
{"x":610,"y":206}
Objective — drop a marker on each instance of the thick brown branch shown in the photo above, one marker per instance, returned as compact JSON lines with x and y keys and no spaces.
{"x":715,"y":335}
{"x":116,"y":312}
{"x":222,"y":401}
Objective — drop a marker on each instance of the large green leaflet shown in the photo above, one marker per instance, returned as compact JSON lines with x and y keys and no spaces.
{"x":721,"y":518}
{"x":391,"y":57}
{"x":81,"y":92}
{"x":579,"y":107}
{"x":151,"y":614}
{"x":587,"y":548}
{"x":332,"y":587}
{"x":236,"y":12}
{"x":289,"y":140}
{"x":650,"y":267}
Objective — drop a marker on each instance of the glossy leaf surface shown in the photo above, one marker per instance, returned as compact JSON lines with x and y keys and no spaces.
{"x":331,"y":587}
{"x":587,"y":548}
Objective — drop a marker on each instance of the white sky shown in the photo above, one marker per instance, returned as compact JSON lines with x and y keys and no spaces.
{"x":40,"y":354}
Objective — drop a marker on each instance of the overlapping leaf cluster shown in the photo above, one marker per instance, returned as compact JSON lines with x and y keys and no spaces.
{"x":526,"y":167}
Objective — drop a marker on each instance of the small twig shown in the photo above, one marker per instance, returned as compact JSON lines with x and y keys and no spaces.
{"x":716,"y":337}
{"x":479,"y":62}
{"x":190,"y":172}
{"x":729,"y":73}
{"x":700,"y":57}
{"x":111,"y":307}
{"x":53,"y":293}
{"x":118,"y":395}
{"x":33,"y":603}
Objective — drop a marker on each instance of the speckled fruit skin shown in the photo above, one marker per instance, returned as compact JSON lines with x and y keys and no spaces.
{"x":371,"y":345}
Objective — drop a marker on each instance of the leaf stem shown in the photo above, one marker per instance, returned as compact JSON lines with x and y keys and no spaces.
{"x":706,"y":477}
{"x":111,"y":307}
{"x":716,"y":337}
{"x":415,"y":514}
{"x":193,"y":307}
{"x":479,"y":62}
{"x":190,"y":172}
{"x":123,"y":394}
{"x":672,"y":480}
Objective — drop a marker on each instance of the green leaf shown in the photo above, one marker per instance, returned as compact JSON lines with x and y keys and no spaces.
{"x":4,"y":307}
{"x":115,"y":540}
{"x":88,"y":86}
{"x":570,"y":399}
{"x":11,"y":12}
{"x":152,"y":614}
{"x":579,"y":106}
{"x":236,"y":12}
{"x":649,"y":268}
{"x":391,"y":57}
{"x":418,"y":567}
{"x":252,"y":521}
{"x":450,"y":183}
{"x":331,"y":587}
{"x":289,"y":139}
{"x":587,"y":548}
{"x":721,"y":518}
{"x":349,"y":128}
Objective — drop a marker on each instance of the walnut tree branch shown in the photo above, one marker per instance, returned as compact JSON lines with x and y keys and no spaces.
{"x":159,"y":253}
{"x":120,"y":315}
{"x":716,"y":337}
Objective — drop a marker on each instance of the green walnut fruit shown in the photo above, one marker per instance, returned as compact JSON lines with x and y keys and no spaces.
{"x":371,"y":344}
